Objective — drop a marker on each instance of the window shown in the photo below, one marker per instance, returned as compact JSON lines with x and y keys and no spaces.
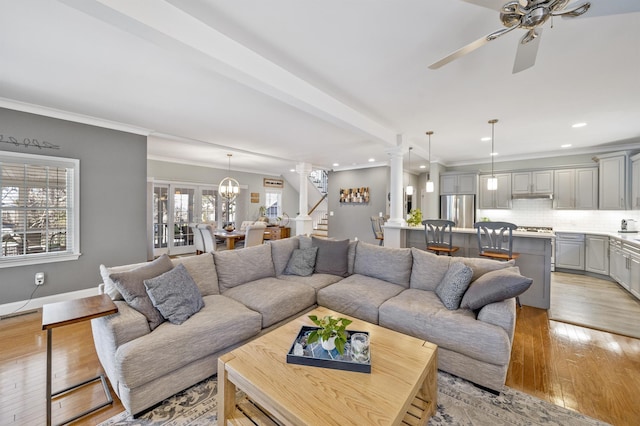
{"x":273,"y":203}
{"x":39,"y":209}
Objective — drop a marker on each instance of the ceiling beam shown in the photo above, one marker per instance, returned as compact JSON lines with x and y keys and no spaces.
{"x":174,"y":29}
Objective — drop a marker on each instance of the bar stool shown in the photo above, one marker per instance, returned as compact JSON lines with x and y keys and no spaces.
{"x":438,"y":235}
{"x":495,"y":241}
{"x":376,"y":225}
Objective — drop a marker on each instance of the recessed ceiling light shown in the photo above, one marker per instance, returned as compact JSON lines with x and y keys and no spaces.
{"x":292,"y":170}
{"x":575,"y":126}
{"x":422,"y":166}
{"x":566,"y":145}
{"x":335,"y":164}
{"x":486,"y":139}
{"x":494,"y":153}
{"x":371,"y":160}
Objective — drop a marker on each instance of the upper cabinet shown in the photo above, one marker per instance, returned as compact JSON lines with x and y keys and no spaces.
{"x":635,"y":182}
{"x":458,"y":184}
{"x":536,"y":182}
{"x":613,"y":181}
{"x":498,"y":199}
{"x":576,"y":189}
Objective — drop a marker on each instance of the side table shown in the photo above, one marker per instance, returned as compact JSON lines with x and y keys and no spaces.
{"x":71,"y":312}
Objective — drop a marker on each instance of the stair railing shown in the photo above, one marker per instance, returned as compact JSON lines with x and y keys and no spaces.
{"x":320,"y":179}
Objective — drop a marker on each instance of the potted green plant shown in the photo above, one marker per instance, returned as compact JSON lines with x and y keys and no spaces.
{"x":332,"y":332}
{"x":415,"y":217}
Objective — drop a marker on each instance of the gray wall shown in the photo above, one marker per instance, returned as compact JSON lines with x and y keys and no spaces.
{"x":353,"y":220}
{"x":161,"y":170}
{"x":112,"y":202}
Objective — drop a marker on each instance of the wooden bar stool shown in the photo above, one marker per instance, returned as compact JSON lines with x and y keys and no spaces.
{"x":438,"y":235}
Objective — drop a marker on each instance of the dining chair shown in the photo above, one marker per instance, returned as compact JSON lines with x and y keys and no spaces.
{"x":495,"y":241}
{"x":254,"y":234}
{"x":439,"y":237}
{"x":376,"y":225}
{"x":198,"y":240}
{"x":208,"y":237}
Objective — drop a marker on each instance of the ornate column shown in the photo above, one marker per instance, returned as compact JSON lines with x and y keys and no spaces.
{"x":304,"y":223}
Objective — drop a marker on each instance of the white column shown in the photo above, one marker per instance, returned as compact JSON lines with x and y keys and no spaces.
{"x":393,"y":235}
{"x":304,"y":224}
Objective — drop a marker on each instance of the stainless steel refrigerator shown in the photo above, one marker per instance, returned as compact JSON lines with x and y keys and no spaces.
{"x":459,"y":208}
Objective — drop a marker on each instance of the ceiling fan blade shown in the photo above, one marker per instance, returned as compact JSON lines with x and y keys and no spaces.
{"x":527,"y":51}
{"x":608,"y":7}
{"x":460,"y":53}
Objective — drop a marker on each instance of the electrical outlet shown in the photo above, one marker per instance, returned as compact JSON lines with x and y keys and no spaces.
{"x":39,"y":278}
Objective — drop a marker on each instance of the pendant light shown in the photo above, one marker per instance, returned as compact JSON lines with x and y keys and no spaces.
{"x":410,"y":187}
{"x":492,"y":182}
{"x":229,"y":187}
{"x":430,"y":187}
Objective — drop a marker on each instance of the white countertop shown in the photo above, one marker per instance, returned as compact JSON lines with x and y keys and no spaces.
{"x":548,"y":235}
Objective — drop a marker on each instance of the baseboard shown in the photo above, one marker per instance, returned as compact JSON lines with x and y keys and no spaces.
{"x":11,"y":309}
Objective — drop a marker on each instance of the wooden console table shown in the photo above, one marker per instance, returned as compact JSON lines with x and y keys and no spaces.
{"x":71,"y":312}
{"x":277,"y":232}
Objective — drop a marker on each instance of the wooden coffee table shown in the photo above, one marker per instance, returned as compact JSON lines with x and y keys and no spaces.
{"x":402,"y":385}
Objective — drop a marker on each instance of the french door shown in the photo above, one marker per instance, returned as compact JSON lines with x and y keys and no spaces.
{"x":175,"y":207}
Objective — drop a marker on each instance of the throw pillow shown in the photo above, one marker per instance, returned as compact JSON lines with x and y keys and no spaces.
{"x":454,"y":284}
{"x":131,"y":285}
{"x":302,"y":262}
{"x":332,"y":256}
{"x":175,"y":294}
{"x":495,"y":286}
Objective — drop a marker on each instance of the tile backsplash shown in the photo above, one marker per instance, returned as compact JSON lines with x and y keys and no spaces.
{"x":539,"y":212}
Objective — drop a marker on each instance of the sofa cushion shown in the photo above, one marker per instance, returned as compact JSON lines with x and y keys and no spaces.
{"x":317,"y":281}
{"x":131,"y":285}
{"x":109,"y":286}
{"x":275,"y":299}
{"x":221,"y":323}
{"x":387,"y":264}
{"x":481,"y":266}
{"x":302,"y":262}
{"x":202,"y":270}
{"x":495,"y":286}
{"x":428,"y":270}
{"x":421,"y":314}
{"x":236,"y":267}
{"x":332,"y":256}
{"x":175,"y":294}
{"x":358,"y":295}
{"x":454,"y":284}
{"x":281,"y":251}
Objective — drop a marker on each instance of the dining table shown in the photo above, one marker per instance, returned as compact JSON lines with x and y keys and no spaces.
{"x":230,"y":237}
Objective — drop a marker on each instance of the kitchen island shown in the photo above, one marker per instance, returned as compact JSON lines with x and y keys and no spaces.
{"x":534,"y":262}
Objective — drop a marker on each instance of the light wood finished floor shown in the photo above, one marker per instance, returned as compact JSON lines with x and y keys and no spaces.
{"x":594,"y":303}
{"x":589,"y":371}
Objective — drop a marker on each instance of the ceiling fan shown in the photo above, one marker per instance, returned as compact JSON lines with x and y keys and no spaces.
{"x":531,"y":15}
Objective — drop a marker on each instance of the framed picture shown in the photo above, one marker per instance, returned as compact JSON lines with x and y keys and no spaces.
{"x":255,"y":197}
{"x":273,"y":183}
{"x":354,"y":195}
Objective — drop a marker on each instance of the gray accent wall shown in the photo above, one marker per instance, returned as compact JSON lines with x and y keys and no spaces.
{"x":112,"y":202}
{"x":354,"y":220}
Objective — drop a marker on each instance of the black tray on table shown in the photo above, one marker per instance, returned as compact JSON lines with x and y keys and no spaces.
{"x":315,"y":356}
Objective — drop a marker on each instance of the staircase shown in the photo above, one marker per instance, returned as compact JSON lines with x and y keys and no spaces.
{"x":319,"y":180}
{"x":321,"y":227}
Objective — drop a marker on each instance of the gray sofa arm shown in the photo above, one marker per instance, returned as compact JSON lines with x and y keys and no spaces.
{"x":502,"y":314}
{"x":120,"y":328}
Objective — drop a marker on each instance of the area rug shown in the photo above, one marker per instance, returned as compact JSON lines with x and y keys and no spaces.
{"x":459,"y":403}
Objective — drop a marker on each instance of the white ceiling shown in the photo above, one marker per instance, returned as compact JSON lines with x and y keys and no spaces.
{"x":280,"y":82}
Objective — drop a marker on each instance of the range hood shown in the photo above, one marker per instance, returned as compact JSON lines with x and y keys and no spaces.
{"x":539,"y":195}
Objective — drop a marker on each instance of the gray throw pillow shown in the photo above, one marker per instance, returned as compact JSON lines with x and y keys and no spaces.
{"x":131,"y":285}
{"x":454,"y":284}
{"x":175,"y":294}
{"x":332,"y":256}
{"x":302,"y":262}
{"x":495,"y":286}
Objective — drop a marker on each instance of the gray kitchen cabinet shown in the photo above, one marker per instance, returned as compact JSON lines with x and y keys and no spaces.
{"x":613,"y":181}
{"x":576,"y":189}
{"x":619,"y":264}
{"x":597,"y":254}
{"x":458,"y":184}
{"x":635,"y":182}
{"x":570,"y":251}
{"x":498,"y":199}
{"x":536,"y":182}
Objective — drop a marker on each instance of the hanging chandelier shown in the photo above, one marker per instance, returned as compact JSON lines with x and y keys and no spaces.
{"x":492,"y":182}
{"x":430,"y":187}
{"x":229,"y":187}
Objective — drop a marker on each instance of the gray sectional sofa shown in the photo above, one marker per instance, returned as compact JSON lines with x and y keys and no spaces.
{"x":247,"y":292}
